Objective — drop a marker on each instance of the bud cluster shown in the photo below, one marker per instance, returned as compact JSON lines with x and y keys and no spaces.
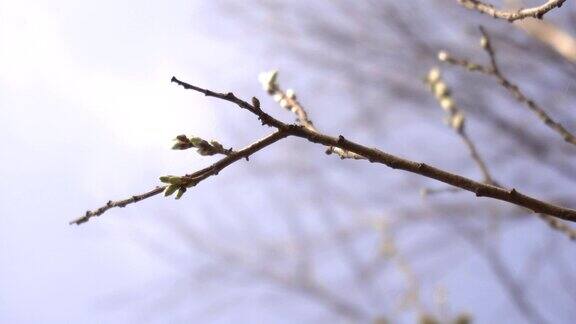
{"x":203,"y":147}
{"x":269,"y":81}
{"x":441,"y":91}
{"x":443,"y":56}
{"x":176,"y":183}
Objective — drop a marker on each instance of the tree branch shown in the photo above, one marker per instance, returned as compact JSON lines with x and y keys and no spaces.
{"x":371,"y":154}
{"x":534,"y":12}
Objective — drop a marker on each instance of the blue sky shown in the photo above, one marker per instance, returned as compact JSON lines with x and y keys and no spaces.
{"x":87,"y":110}
{"x":87,"y":114}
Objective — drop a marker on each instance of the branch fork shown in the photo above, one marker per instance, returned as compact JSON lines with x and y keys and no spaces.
{"x":340,"y":144}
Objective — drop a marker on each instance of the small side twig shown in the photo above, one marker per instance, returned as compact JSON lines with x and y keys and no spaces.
{"x":287,"y":99}
{"x":537,"y":12}
{"x":189,"y":179}
{"x":494,"y":71}
{"x":203,"y":147}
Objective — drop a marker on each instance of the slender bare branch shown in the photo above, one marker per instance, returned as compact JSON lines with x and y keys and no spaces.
{"x":195,"y":177}
{"x":534,"y":12}
{"x":494,"y":71}
{"x":373,"y":155}
{"x":253,"y":108}
{"x":119,"y":203}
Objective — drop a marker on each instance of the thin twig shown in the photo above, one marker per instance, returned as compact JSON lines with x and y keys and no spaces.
{"x":537,"y":12}
{"x":119,"y":203}
{"x":253,"y":108}
{"x":478,"y":159}
{"x":375,"y":156}
{"x":513,"y":89}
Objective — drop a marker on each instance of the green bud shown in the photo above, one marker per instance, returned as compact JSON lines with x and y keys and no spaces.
{"x":173,"y":180}
{"x":166,"y":179}
{"x":181,"y":138}
{"x":170,"y":190}
{"x":196,"y":141}
{"x":181,"y":146}
{"x":217,"y":146}
{"x":180,"y":192}
{"x":205,"y":151}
